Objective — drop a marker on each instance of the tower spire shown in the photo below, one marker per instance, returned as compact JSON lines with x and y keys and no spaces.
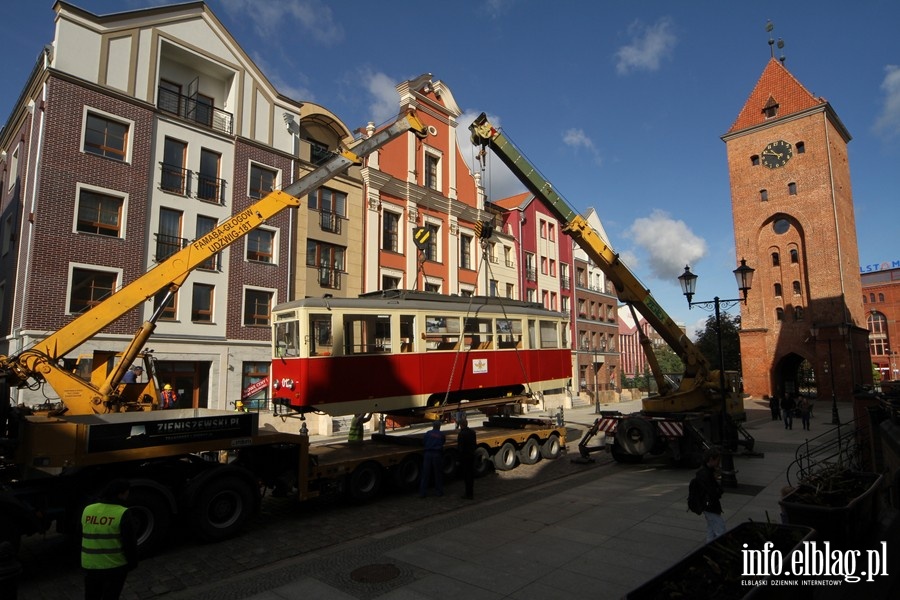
{"x":769,"y":27}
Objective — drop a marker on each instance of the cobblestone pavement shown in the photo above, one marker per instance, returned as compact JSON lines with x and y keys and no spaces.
{"x":288,"y":538}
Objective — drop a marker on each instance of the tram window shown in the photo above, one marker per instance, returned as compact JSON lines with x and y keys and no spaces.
{"x":441,"y":332}
{"x":549,"y":339}
{"x":367,"y":334}
{"x":532,"y":340}
{"x":509,"y":333}
{"x":320,"y":340}
{"x":407,"y":333}
{"x":479,"y":333}
{"x":287,"y":339}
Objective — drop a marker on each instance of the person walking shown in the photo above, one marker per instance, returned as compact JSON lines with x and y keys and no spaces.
{"x":108,"y":543}
{"x":356,"y":432}
{"x":775,"y":407}
{"x":787,"y":409}
{"x":169,"y":397}
{"x":466,"y":444}
{"x":433,"y":463}
{"x":805,"y":410}
{"x":708,"y":477}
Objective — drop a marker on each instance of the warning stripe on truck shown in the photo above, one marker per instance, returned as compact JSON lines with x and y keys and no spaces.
{"x":670,"y":429}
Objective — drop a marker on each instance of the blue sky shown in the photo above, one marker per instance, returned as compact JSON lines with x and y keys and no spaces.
{"x":621,"y":105}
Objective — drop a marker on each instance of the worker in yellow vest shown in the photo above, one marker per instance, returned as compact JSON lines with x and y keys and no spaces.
{"x":108,"y":543}
{"x":357,"y":424}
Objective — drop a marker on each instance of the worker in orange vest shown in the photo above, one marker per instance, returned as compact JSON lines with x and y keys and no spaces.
{"x":169,"y":397}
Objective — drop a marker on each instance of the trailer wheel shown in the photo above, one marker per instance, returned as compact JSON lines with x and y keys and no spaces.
{"x":365,"y":482}
{"x":620,"y":456}
{"x":153,"y":517}
{"x":551,"y":448}
{"x":505,"y":458}
{"x":636,"y":436}
{"x":482,"y":462}
{"x":530,"y":453}
{"x":406,"y":474}
{"x":450,"y":466}
{"x":222,"y":508}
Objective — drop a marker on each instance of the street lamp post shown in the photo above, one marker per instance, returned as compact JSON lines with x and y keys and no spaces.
{"x":744,"y":277}
{"x":596,"y":367}
{"x":835,"y":417}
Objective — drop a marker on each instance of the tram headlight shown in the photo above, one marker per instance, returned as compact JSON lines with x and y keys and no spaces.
{"x":283,"y":383}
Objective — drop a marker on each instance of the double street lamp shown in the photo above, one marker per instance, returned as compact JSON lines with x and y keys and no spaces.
{"x":814,"y":332}
{"x":744,"y":277}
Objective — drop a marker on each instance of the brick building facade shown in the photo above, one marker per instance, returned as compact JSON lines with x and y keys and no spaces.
{"x":803,"y":328}
{"x":881,"y":299}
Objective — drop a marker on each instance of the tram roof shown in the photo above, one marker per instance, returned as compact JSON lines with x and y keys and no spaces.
{"x":416,"y":300}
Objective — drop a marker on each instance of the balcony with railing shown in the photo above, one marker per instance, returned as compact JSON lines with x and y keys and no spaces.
{"x":174,"y":179}
{"x":330,"y":221}
{"x":191,"y":109}
{"x":531,"y":274}
{"x":210,"y":189}
{"x":510,"y":263}
{"x":167,"y":245}
{"x":564,"y":281}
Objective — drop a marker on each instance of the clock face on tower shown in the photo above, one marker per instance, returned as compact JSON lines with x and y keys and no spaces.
{"x":776,"y":154}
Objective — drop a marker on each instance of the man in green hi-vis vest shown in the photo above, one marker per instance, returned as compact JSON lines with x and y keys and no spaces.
{"x":108,"y":543}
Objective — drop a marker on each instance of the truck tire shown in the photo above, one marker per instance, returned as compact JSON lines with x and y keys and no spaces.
{"x":636,"y":436}
{"x":482,"y":462}
{"x":505,"y":457}
{"x":620,"y":456}
{"x":406,"y":474}
{"x":530,"y":453}
{"x":551,"y":448}
{"x":222,"y":507}
{"x":364,"y":482}
{"x":153,"y":517}
{"x":450,"y":465}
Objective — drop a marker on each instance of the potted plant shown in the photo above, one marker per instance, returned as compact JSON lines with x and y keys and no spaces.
{"x":840,"y":504}
{"x":715,"y":570}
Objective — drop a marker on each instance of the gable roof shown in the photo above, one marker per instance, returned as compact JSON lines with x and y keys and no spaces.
{"x":775,"y":84}
{"x":518,"y":201}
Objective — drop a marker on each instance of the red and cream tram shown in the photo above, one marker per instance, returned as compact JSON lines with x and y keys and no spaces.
{"x":397,"y":350}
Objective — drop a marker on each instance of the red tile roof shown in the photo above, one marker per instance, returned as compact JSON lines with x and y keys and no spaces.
{"x":514,"y":201}
{"x":778,"y":83}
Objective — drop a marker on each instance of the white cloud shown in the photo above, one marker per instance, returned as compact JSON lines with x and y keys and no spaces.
{"x":649,"y":46}
{"x":385,"y":104}
{"x":305,"y":19}
{"x":294,"y":91}
{"x":579,"y":140}
{"x":888,"y":122}
{"x":498,"y":181}
{"x":669,"y":244}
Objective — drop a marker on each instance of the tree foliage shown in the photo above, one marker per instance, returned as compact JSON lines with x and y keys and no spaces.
{"x":668,"y":360}
{"x":707,"y":342}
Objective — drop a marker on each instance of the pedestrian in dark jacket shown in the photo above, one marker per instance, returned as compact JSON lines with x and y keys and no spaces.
{"x":709,"y":480}
{"x":108,"y":543}
{"x":787,"y":408}
{"x":467,"y":445}
{"x":775,"y":407}
{"x":433,"y":463}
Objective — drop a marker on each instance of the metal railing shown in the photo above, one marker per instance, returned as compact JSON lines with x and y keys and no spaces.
{"x":167,"y":245}
{"x":210,"y":189}
{"x":329,"y":278}
{"x":835,"y":448}
{"x":330,"y":221}
{"x":174,"y":179}
{"x":193,"y":110}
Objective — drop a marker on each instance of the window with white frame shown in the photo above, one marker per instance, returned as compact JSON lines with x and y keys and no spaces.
{"x":99,"y":213}
{"x":89,"y":285}
{"x":432,"y":169}
{"x":262,"y":181}
{"x":257,"y":307}
{"x":261,"y":245}
{"x":106,"y":136}
{"x":390,"y":231}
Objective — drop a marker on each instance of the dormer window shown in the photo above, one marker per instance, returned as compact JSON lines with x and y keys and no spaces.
{"x":771,"y":108}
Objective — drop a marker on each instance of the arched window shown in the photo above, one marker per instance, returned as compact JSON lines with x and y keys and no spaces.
{"x":796,"y":288}
{"x":800,"y":147}
{"x":798,"y":313}
{"x":763,"y":195}
{"x":777,"y":289}
{"x":779,"y":314}
{"x":777,"y":261}
{"x":872,"y":298}
{"x":792,"y":189}
{"x":881,"y":297}
{"x":795,"y":256}
{"x":865,"y":300}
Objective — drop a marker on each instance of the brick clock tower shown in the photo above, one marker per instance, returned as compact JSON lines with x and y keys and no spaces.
{"x":803,"y":328}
